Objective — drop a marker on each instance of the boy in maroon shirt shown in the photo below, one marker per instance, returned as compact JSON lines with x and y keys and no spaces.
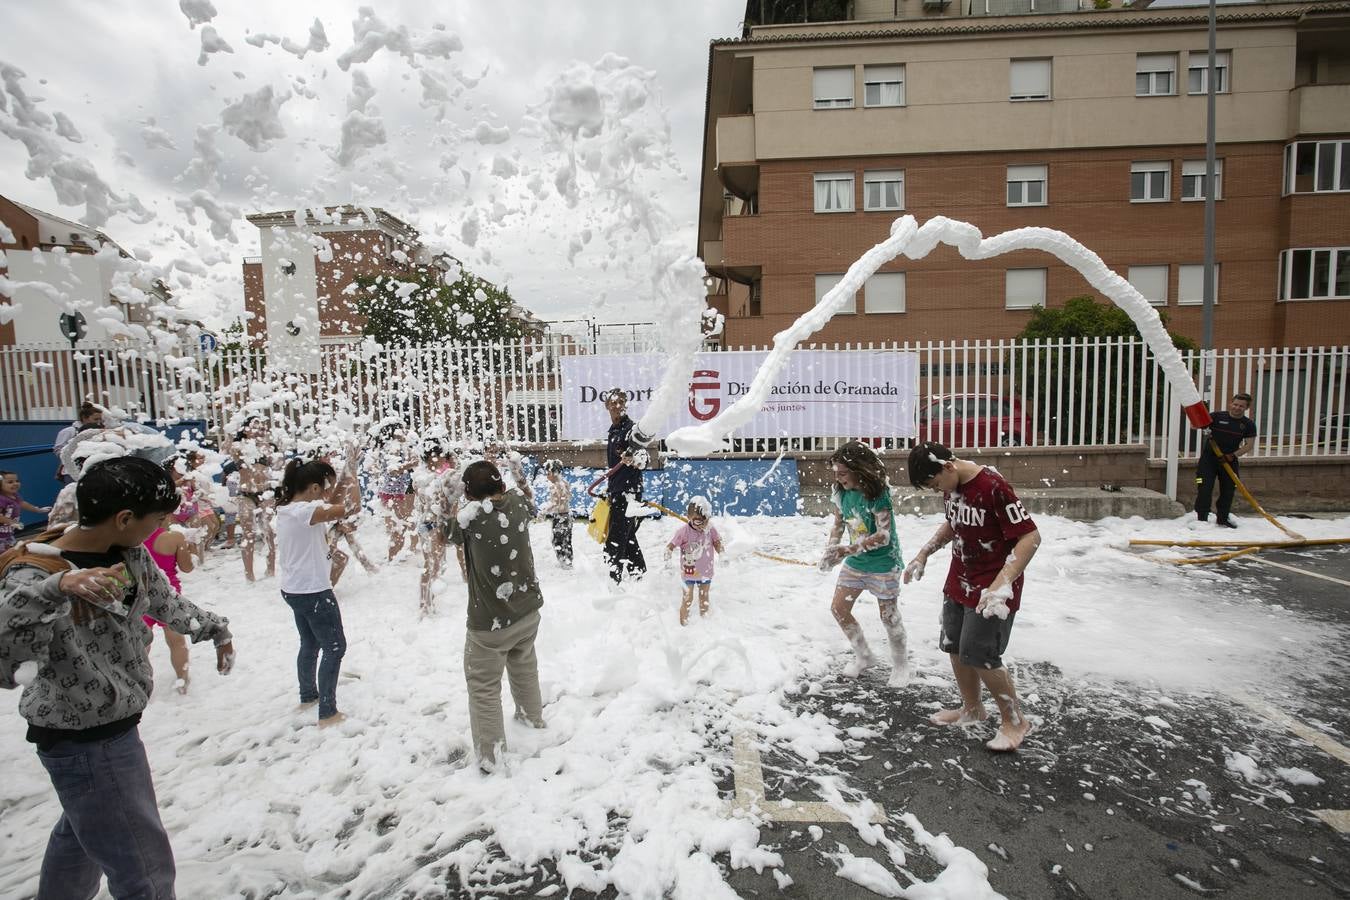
{"x":994,"y":540}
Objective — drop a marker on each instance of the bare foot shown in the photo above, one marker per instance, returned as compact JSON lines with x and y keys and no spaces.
{"x":900,"y":675}
{"x":334,"y":719}
{"x":856,"y":665}
{"x":959,"y":716}
{"x":181,"y":685}
{"x":1009,"y":736}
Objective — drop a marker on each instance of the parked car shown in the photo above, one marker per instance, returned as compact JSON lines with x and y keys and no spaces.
{"x":1333,"y":433}
{"x":975,"y":420}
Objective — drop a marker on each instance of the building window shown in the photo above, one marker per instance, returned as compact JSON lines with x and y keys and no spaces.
{"x":1026,"y":185}
{"x":1315,"y":274}
{"x":883,"y":86}
{"x":823,"y":285}
{"x":1155,"y":74}
{"x":1151,"y":281}
{"x":834,"y":192}
{"x":1024,"y":288}
{"x":1316,"y":167}
{"x":833,"y":88}
{"x":1029,"y":79}
{"x":1150,"y":182}
{"x":1190,"y":285}
{"x":884,"y":293}
{"x":1193,"y":179}
{"x":1197,"y":68}
{"x":882,"y":190}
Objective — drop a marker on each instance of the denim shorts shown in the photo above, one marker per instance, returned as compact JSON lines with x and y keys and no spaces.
{"x":882,"y":585}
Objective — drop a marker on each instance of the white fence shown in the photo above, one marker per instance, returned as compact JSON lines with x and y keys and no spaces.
{"x":1061,"y":393}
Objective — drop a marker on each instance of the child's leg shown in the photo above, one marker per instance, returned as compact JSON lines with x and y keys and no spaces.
{"x":686,"y":601}
{"x":109,"y":817}
{"x":270,"y":537}
{"x":433,"y":552}
{"x":178,"y":656}
{"x":248,"y":529}
{"x":483,"y":664}
{"x":703,"y":591}
{"x":307,"y":659}
{"x":522,"y":672}
{"x":327,"y":625}
{"x":897,"y":639}
{"x":337,"y":563}
{"x":842,"y":609}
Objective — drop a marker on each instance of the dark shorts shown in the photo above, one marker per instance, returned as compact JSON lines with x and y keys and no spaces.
{"x":980,"y":642}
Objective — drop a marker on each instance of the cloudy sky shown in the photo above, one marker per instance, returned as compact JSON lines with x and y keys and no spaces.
{"x":547,"y":147}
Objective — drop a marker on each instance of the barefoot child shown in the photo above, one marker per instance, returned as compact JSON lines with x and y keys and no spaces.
{"x":71,"y":634}
{"x":558,"y":509}
{"x":994,"y":539}
{"x":504,"y":600}
{"x":862,"y":504}
{"x":172,"y":553}
{"x":432,"y":510}
{"x":12,"y":507}
{"x":306,"y":586}
{"x":697,"y":539}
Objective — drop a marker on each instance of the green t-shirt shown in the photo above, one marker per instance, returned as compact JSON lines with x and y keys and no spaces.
{"x":860,"y":520}
{"x":502,"y":585}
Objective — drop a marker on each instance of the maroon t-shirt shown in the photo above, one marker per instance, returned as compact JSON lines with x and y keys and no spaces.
{"x":988,"y":519}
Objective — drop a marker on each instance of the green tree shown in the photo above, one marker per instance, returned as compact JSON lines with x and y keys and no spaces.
{"x":1080,"y":391}
{"x":428,"y":304}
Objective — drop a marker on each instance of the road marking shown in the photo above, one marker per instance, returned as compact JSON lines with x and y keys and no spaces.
{"x":1318,"y":739}
{"x":1339,"y":819}
{"x":1289,"y":568}
{"x":748,"y":774}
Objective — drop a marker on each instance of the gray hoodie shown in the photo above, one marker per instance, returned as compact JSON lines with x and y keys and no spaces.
{"x":93,"y":673}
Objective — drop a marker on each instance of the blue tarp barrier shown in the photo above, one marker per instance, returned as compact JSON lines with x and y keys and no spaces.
{"x":738,"y":487}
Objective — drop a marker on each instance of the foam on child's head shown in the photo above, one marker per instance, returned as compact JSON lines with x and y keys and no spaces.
{"x":702,"y":504}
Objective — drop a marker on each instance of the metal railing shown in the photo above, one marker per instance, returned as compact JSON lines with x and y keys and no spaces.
{"x":1058,"y":393}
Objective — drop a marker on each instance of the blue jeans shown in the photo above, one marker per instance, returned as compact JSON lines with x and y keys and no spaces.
{"x":109,"y":823}
{"x":319,"y":622}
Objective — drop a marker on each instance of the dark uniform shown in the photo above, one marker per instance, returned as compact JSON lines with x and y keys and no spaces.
{"x":622,"y":551}
{"x":1228,"y":433}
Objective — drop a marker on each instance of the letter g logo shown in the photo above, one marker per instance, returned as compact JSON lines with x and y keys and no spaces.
{"x":705,"y":381}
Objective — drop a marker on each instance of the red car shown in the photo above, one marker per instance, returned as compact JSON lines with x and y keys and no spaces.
{"x":974,"y":420}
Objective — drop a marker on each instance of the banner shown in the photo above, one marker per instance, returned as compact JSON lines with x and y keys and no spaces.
{"x":820,"y":393}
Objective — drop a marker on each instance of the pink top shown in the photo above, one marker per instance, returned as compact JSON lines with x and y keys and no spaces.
{"x":696,"y":551}
{"x":167,"y":562}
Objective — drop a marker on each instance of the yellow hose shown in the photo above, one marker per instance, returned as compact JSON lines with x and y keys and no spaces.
{"x":1248,"y":494}
{"x":770,"y":556}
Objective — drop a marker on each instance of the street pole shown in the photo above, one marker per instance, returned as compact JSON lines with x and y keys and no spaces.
{"x":1207,"y":284}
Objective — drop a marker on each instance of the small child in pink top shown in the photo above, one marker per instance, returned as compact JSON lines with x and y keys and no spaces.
{"x":697,"y":540}
{"x":172,"y":552}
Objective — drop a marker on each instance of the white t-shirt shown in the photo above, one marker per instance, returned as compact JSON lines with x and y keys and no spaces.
{"x":302,"y":549}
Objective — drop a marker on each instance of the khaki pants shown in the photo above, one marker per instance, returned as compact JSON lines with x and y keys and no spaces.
{"x":486,"y":653}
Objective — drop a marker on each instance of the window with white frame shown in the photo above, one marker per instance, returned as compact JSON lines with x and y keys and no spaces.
{"x":1193,"y":179}
{"x":1150,"y":182}
{"x":832,"y":88}
{"x":1197,"y":71}
{"x":1155,"y":74}
{"x":824,"y":283}
{"x":1024,"y":288}
{"x":1316,"y":167}
{"x":1029,"y":79}
{"x":883,"y":85}
{"x":1026,"y":185}
{"x":884,"y":293}
{"x":1315,"y":273}
{"x":834,"y":192}
{"x":1191,"y":283}
{"x":884,"y":189}
{"x":1151,"y":281}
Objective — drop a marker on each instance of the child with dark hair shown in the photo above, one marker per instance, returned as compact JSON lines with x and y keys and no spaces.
{"x":254,"y":454}
{"x":306,"y":585}
{"x":72,"y":636}
{"x":558,"y":509}
{"x":437,"y":490}
{"x":697,"y":541}
{"x":871,"y":557}
{"x":504,"y":600}
{"x":993,"y":539}
{"x":12,"y":507}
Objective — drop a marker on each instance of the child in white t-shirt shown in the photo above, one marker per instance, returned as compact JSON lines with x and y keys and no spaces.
{"x":303,"y":565}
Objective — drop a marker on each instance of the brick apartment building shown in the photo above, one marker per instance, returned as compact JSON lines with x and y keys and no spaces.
{"x":819,"y":134}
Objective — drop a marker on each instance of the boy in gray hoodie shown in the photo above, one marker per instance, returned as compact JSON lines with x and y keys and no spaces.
{"x":71,"y":634}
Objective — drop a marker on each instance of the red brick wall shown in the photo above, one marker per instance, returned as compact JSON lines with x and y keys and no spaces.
{"x":25,"y":231}
{"x":951,"y":298}
{"x":255,"y":323}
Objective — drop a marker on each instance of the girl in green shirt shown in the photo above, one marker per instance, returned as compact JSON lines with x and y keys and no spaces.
{"x":871,"y":555}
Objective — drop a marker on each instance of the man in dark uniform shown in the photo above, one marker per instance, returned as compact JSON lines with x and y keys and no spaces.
{"x":1233,"y":432}
{"x":622,"y":551}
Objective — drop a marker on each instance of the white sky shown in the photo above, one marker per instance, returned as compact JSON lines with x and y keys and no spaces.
{"x":113,"y":67}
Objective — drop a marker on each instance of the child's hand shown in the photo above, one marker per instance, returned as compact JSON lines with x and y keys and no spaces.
{"x":225,"y":658}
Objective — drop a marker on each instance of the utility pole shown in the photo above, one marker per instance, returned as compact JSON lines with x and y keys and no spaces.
{"x":1207,"y":284}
